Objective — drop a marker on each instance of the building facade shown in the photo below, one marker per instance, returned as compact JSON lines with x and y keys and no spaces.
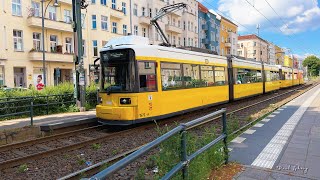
{"x":228,"y":37}
{"x":209,"y":29}
{"x":279,"y":55}
{"x":253,"y":47}
{"x":271,"y":53}
{"x":180,"y":27}
{"x":21,"y":47}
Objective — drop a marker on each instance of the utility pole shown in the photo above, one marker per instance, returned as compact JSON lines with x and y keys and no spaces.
{"x":80,"y":86}
{"x":258,"y":28}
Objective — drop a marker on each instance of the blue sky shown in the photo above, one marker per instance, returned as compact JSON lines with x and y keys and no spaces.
{"x":293,"y":24}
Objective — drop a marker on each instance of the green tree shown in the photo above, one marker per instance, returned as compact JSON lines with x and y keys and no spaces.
{"x":313,"y":64}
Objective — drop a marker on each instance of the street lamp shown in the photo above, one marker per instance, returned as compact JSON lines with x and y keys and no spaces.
{"x":55,"y":4}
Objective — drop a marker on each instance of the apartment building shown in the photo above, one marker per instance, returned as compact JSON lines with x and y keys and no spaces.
{"x":209,"y":29}
{"x":21,"y":38}
{"x":279,"y":55}
{"x":228,"y":37}
{"x":180,"y":27}
{"x":271,"y":53}
{"x":253,"y":47}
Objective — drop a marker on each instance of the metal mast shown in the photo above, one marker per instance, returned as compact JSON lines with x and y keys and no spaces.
{"x":162,"y":12}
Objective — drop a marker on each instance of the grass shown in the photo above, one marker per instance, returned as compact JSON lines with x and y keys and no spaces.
{"x":23,"y":168}
{"x":96,"y":146}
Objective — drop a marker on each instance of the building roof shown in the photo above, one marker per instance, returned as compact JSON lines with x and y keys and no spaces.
{"x":202,"y":8}
{"x":250,"y":36}
{"x":224,"y":18}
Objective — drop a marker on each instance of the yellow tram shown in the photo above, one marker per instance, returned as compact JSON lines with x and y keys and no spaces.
{"x":142,"y":82}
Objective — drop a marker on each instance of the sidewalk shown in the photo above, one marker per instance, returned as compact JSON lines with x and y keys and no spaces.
{"x":48,"y":119}
{"x":284,"y":145}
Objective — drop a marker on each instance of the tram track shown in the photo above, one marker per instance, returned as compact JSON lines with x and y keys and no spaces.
{"x":237,"y":112}
{"x":42,"y":143}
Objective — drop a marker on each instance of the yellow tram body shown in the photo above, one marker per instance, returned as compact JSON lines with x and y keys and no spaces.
{"x":142,"y":82}
{"x":287,"y":77}
{"x":295,"y":75}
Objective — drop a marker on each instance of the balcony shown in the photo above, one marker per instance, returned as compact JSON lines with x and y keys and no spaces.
{"x":52,"y":57}
{"x":227,"y":44}
{"x":177,"y":13}
{"x":116,"y":13}
{"x":205,"y":41}
{"x":144,"y":20}
{"x":65,"y":1}
{"x":49,"y":24}
{"x":173,"y":29}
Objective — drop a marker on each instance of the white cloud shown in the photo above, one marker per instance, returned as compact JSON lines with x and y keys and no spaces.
{"x":299,"y":15}
{"x":308,"y":20}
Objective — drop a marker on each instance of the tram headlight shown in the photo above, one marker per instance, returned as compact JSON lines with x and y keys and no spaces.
{"x":125,"y":100}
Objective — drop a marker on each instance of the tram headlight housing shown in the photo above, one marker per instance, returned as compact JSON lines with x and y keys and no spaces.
{"x":125,"y":101}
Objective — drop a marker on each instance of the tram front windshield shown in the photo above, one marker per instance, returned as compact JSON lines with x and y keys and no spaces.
{"x":118,"y":71}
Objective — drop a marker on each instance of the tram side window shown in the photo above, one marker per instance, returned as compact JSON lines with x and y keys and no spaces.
{"x":191,"y":76}
{"x":219,"y":75}
{"x":295,"y":76}
{"x":268,"y":76}
{"x":246,"y":76}
{"x":171,"y":76}
{"x":147,"y":76}
{"x":275,"y":76}
{"x":207,"y":75}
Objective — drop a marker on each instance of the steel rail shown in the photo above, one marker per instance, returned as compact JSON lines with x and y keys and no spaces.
{"x":95,"y":167}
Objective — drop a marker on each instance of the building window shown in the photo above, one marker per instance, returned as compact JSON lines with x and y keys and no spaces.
{"x":174,"y":22}
{"x":114,"y":27}
{"x":53,"y":43}
{"x":179,"y":25}
{"x":124,"y":9}
{"x":83,"y":47}
{"x":179,"y":41}
{"x":135,"y":9}
{"x":184,"y":25}
{"x":16,"y":7}
{"x":174,"y":40}
{"x":103,"y":2}
{"x":35,"y":9}
{"x":52,"y":13}
{"x":254,"y":43}
{"x":95,"y":47}
{"x":124,"y":29}
{"x":143,"y":11}
{"x":135,"y":30}
{"x":104,"y":22}
{"x":36,"y":41}
{"x":113,"y":5}
{"x":69,"y":48}
{"x":150,"y":12}
{"x":17,"y":40}
{"x":254,"y":52}
{"x":83,"y":16}
{"x":144,"y":32}
{"x":93,"y":1}
{"x":67,"y":16}
{"x":94,"y":22}
{"x":222,"y":39}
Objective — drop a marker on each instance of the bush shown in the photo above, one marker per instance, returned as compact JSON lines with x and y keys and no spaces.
{"x":60,"y":99}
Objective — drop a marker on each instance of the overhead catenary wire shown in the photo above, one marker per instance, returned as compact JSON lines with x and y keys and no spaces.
{"x":303,"y":49}
{"x":285,"y":24}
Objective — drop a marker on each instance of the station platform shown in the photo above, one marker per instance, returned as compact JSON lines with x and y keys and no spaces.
{"x":285,"y":144}
{"x":51,"y":122}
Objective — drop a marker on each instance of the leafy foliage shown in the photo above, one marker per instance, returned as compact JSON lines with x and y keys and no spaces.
{"x":50,"y":100}
{"x":313,"y":64}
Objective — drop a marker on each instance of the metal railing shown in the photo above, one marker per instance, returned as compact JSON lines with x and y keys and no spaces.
{"x":38,"y":105}
{"x":185,"y":158}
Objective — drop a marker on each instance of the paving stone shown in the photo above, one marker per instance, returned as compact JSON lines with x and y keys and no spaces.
{"x":255,"y":173}
{"x":281,"y":176}
{"x":312,"y":163}
{"x":245,"y":178}
{"x":291,"y":161}
{"x":295,"y":155}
